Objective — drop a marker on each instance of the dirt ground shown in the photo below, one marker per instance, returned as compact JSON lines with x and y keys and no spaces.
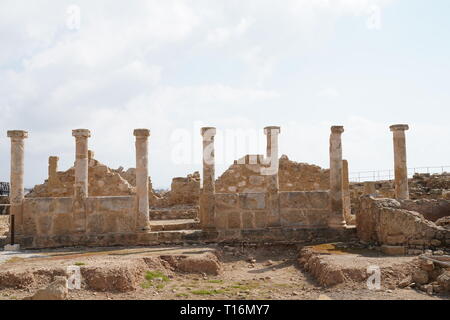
{"x":165,"y":273}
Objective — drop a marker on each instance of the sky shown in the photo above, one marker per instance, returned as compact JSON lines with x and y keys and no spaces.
{"x":174,"y":66}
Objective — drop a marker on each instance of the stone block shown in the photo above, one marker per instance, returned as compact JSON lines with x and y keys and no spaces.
{"x":393,"y":250}
{"x":304,"y":200}
{"x":12,"y":247}
{"x":248,"y":220}
{"x":234,"y":220}
{"x":395,"y":240}
{"x":221,"y":220}
{"x":252,"y":201}
{"x":225,"y":202}
{"x":260,"y":219}
{"x":62,"y":224}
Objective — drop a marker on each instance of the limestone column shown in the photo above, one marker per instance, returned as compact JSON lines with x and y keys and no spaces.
{"x":81,"y":184}
{"x":401,"y":168}
{"x":272,"y":133}
{"x":207,"y":208}
{"x":17,"y":191}
{"x":336,"y":218}
{"x":81,"y":163}
{"x":346,"y":192}
{"x":53,"y":180}
{"x":143,"y":215}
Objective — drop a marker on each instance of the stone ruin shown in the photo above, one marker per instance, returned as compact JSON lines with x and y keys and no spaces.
{"x":259,"y":198}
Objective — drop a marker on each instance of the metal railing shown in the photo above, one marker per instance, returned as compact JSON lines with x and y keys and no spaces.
{"x":4,"y":188}
{"x":386,"y":175}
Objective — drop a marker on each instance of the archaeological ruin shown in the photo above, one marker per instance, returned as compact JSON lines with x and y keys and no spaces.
{"x":260,"y":198}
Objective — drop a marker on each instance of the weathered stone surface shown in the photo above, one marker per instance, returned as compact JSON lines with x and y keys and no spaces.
{"x":393,"y":250}
{"x":383,"y":221}
{"x":57,"y":290}
{"x":420,"y":277}
{"x":444,"y":281}
{"x":244,"y":176}
{"x":305,"y":200}
{"x":252,"y":201}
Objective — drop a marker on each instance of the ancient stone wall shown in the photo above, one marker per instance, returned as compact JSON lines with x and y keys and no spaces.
{"x":384,"y":221}
{"x":250,"y":210}
{"x":103,"y":181}
{"x":244,"y":176}
{"x":184,"y":191}
{"x":432,"y":210}
{"x":54,"y":216}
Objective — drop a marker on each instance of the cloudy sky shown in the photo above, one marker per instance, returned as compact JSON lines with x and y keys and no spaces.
{"x":173,"y":66}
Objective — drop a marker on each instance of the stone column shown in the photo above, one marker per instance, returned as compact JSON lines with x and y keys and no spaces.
{"x":273,"y":219}
{"x":53,"y":180}
{"x":336,"y":218}
{"x":346,"y":192}
{"x":207,"y":208}
{"x":81,"y":163}
{"x":401,"y":168}
{"x":143,"y":217}
{"x":17,"y":191}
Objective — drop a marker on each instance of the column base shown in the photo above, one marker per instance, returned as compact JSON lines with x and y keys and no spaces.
{"x":143,"y":229}
{"x":12,"y":247}
{"x":337,"y":223}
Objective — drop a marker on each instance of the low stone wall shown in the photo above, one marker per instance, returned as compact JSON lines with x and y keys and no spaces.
{"x":188,"y":212}
{"x":273,"y":236}
{"x":383,"y":221}
{"x":304,"y":209}
{"x":54,"y":216}
{"x":240,"y":211}
{"x":250,"y":210}
{"x":431,"y":209}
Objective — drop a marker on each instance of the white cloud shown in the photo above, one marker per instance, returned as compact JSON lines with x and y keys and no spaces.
{"x":164,"y":65}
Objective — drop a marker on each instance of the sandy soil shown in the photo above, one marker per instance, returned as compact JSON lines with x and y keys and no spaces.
{"x":246,"y":273}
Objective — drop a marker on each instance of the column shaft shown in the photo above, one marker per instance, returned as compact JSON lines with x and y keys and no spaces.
{"x":400,"y":161}
{"x":53,"y":171}
{"x":81,"y":163}
{"x":17,"y":191}
{"x":142,"y":187}
{"x":346,"y":192}
{"x":273,"y":202}
{"x":207,"y":198}
{"x":336,"y":219}
{"x":81,"y":191}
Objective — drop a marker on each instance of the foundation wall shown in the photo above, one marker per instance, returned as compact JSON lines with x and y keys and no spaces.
{"x":432,"y":210}
{"x":54,"y":216}
{"x":248,"y":211}
{"x":384,"y":221}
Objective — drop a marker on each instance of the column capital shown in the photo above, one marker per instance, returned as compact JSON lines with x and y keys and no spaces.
{"x":84,"y":133}
{"x":272,"y":129}
{"x":17,"y":134}
{"x":53,"y":158}
{"x":399,"y":127}
{"x":208,"y":132}
{"x":337,"y":129}
{"x":141,"y":133}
